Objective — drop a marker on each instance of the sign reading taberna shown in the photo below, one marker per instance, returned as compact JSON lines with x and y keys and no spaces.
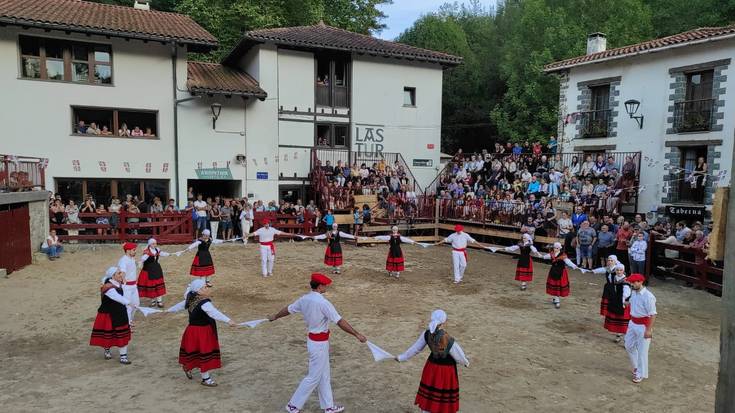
{"x":689,"y":211}
{"x":214,"y":173}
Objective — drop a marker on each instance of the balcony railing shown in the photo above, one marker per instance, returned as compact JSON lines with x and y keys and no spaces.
{"x":332,"y":96}
{"x":596,"y":123}
{"x":21,"y":173}
{"x":694,"y":115}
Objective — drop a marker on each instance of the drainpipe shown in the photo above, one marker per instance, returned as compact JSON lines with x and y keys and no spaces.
{"x":174,"y":57}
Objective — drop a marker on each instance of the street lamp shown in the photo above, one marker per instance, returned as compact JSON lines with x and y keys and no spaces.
{"x":631,"y":106}
{"x":216,"y":109}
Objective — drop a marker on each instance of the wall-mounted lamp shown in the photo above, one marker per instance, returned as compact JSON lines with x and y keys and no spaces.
{"x":216,"y":109}
{"x":631,"y":106}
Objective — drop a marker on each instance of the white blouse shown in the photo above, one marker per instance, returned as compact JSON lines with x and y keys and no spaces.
{"x":456,"y":351}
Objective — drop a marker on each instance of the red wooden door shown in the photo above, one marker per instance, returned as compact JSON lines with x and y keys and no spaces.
{"x":15,"y":237}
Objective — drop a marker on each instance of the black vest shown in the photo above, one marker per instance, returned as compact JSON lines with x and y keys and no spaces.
{"x":334,"y":244}
{"x":557,"y":267}
{"x":525,"y":259}
{"x":117,"y":311}
{"x":395,"y":246}
{"x":437,"y":356}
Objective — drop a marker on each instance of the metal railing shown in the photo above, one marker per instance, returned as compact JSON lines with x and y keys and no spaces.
{"x":694,"y":115}
{"x":596,"y":123}
{"x":22,"y":173}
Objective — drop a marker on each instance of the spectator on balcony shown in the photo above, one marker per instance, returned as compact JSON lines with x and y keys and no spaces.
{"x":105,"y":131}
{"x":115,"y":208}
{"x":698,"y":179}
{"x":611,"y":164}
{"x":81,"y":128}
{"x":102,"y":219}
{"x":574,"y":167}
{"x":171,"y":206}
{"x":52,"y":246}
{"x":517,"y":149}
{"x":137,"y":132}
{"x":149,"y":132}
{"x":536,"y":148}
{"x":552,"y":145}
{"x":588,"y":166}
{"x":599,"y":167}
{"x":93,"y":129}
{"x":123,"y":131}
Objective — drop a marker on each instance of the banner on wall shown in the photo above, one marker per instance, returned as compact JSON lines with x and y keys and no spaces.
{"x":214,"y":173}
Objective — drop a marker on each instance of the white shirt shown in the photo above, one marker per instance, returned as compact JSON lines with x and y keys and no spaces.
{"x":516,"y":247}
{"x":197,"y":242}
{"x":213,"y":312}
{"x":638,"y":250}
{"x":50,"y":241}
{"x":127,"y":265}
{"x":459,"y":240}
{"x":317,"y":312}
{"x":267,"y":234}
{"x":456,"y":351}
{"x":567,"y":261}
{"x":200,"y":204}
{"x":247,"y":215}
{"x":642,"y":303}
{"x":387,"y":238}
{"x":154,"y":251}
{"x":114,"y":295}
{"x":341,"y":234}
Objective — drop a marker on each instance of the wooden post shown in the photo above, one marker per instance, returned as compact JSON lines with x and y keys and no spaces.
{"x":436,"y":217}
{"x":725,"y":396}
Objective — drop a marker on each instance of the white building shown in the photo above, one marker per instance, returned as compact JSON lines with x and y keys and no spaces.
{"x":681,"y":83}
{"x":277,"y":95}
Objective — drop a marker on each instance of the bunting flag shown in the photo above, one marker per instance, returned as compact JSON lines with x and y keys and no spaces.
{"x":378,"y":353}
{"x":148,"y":167}
{"x":44,"y":163}
{"x":76,"y":165}
{"x":103,"y":166}
{"x":164,"y":168}
{"x":126,"y":166}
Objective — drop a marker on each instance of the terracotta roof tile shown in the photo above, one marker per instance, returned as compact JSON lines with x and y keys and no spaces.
{"x":118,"y":21}
{"x":680,"y":39}
{"x":321,"y":36}
{"x":217,"y":79}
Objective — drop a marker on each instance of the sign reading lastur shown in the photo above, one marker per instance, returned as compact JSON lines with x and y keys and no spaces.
{"x":369,"y":139}
{"x":214,"y":173}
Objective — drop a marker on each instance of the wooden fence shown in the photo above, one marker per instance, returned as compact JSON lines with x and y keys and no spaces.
{"x":684,"y":263}
{"x":166,"y":227}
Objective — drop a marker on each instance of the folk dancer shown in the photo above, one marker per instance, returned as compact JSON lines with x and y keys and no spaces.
{"x":640,"y":327}
{"x":266,"y":235}
{"x":459,"y":240}
{"x":203,"y":265}
{"x":126,"y":264}
{"x":524,"y":267}
{"x":318,"y":312}
{"x":111,"y":327}
{"x":439,"y":387}
{"x":394,"y":263}
{"x":615,"y":297}
{"x":333,"y":252}
{"x":150,"y":279}
{"x":199,"y":345}
{"x":557,"y":282}
{"x":609,"y":271}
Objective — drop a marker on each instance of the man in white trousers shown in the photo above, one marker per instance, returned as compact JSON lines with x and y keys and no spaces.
{"x":127,"y":265}
{"x":459,"y":242}
{"x":640,"y":326}
{"x":246,"y":222}
{"x":266,"y":235}
{"x":318,"y":312}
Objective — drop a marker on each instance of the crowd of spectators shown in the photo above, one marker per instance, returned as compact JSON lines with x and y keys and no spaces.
{"x":82,"y":128}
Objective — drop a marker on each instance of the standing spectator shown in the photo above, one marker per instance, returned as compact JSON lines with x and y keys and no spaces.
{"x":357,"y":220}
{"x":638,"y":254}
{"x":552,"y":145}
{"x":171,"y":206}
{"x":190,"y":194}
{"x":605,"y":244}
{"x":101,"y":219}
{"x":226,"y":220}
{"x":246,"y":222}
{"x":214,"y":219}
{"x":328,"y":219}
{"x":682,"y":231}
{"x":565,"y":224}
{"x":623,"y":243}
{"x":586,"y":238}
{"x":115,"y":208}
{"x":157,"y":206}
{"x":81,"y":127}
{"x":52,"y":246}
{"x":201,"y":215}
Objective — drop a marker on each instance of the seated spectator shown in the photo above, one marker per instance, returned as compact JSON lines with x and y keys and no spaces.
{"x":123,"y":131}
{"x":137,"y":132}
{"x":149,"y":132}
{"x":52,"y":246}
{"x":93,"y":129}
{"x":105,"y":131}
{"x":81,"y":128}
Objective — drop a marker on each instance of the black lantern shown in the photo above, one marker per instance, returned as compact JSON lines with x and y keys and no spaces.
{"x":631,"y":106}
{"x":216,"y":109}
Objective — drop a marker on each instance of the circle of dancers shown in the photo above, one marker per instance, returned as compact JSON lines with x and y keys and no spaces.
{"x":628,"y":308}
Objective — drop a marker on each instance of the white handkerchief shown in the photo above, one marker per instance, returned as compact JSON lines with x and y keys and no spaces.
{"x":378,"y":353}
{"x":254,"y":323}
{"x":303,"y":236}
{"x":147,"y":310}
{"x":177,"y":307}
{"x":424,"y":245}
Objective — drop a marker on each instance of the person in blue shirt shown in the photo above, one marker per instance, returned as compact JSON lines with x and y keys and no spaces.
{"x":578,"y":217}
{"x":552,"y":145}
{"x":517,"y":150}
{"x":534,"y":186}
{"x":328,"y":219}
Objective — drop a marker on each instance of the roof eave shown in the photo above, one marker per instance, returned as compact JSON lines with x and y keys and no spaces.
{"x":262,"y":95}
{"x":196,"y":45}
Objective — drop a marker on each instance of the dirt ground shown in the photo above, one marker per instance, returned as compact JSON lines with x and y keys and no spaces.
{"x":526,"y":356}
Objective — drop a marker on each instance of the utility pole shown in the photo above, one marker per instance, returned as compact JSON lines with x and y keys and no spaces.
{"x":725,"y":397}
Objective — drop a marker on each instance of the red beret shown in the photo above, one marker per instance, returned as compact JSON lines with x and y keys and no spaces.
{"x":635,"y":277}
{"x":321,"y":278}
{"x":266,"y":221}
{"x":458,"y":228}
{"x":129,"y":246}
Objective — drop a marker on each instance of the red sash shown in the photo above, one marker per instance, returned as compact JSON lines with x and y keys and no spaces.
{"x":270,"y":244}
{"x":644,"y":321}
{"x":462,"y":250}
{"x":319,"y":336}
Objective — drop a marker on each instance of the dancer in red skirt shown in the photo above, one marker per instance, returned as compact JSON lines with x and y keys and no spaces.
{"x":150,"y":280}
{"x":557,"y":282}
{"x":394,"y":264}
{"x":199,"y":345}
{"x":524,"y":268}
{"x":439,"y":388}
{"x":615,"y":297}
{"x":203,"y":266}
{"x":333,"y":253}
{"x":111,"y":328}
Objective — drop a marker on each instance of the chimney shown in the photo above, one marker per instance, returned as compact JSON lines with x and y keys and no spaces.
{"x":142,"y":4}
{"x":596,"y":42}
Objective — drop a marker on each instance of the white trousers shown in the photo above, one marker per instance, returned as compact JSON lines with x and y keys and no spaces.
{"x":460,"y":264}
{"x":267,"y":259}
{"x":245,"y":226}
{"x":131,"y":293}
{"x":318,"y":377}
{"x":214,"y":225}
{"x":637,"y":347}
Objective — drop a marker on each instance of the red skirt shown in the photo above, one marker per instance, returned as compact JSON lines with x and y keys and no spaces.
{"x":199,"y":349}
{"x":558,"y":288}
{"x":603,"y":306}
{"x":201,"y":270}
{"x":617,"y":323}
{"x":524,"y":273}
{"x":106,"y":336}
{"x":439,"y":388}
{"x":148,"y":288}
{"x":332,"y":259}
{"x":394,"y":264}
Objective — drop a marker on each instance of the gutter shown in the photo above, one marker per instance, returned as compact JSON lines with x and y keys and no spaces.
{"x":643,"y":52}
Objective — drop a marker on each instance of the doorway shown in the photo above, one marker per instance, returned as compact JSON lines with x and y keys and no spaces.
{"x":214,"y":187}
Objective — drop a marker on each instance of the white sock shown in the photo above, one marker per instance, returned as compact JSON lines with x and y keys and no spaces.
{"x":205,"y":375}
{"x":124,"y":351}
